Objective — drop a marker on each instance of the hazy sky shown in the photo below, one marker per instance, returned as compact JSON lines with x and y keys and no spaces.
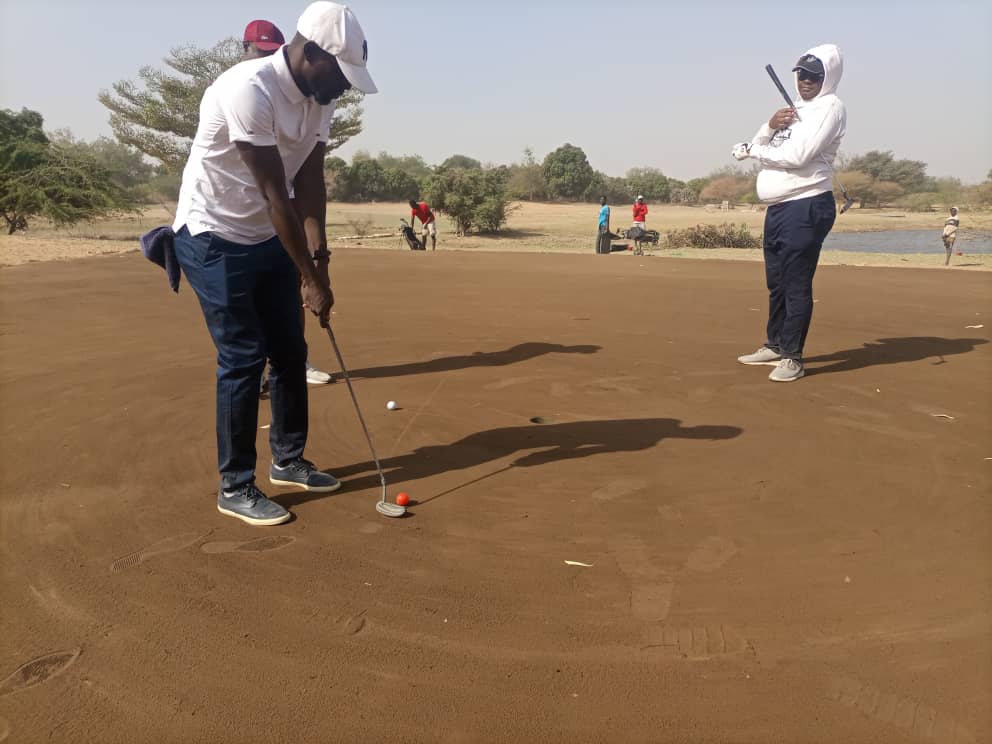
{"x":631,"y":82}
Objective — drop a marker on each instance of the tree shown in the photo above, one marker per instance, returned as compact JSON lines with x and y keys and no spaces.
{"x":616,"y":190}
{"x":727,"y":188}
{"x":526,"y":179}
{"x":474,"y":199}
{"x":461,"y":161}
{"x":911,"y":175}
{"x":567,"y":172}
{"x":159,"y":117}
{"x":126,"y":165}
{"x":39,"y":178}
{"x":651,"y":183}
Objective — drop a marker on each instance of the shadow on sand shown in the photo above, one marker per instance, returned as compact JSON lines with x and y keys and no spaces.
{"x":536,"y":445}
{"x":893,"y":351}
{"x":513,"y":355}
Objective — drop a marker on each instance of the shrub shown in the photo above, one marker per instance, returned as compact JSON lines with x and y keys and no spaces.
{"x":474,"y":199}
{"x":360,"y":225}
{"x":726,"y":235}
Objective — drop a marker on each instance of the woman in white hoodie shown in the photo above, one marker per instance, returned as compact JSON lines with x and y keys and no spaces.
{"x":796,"y":149}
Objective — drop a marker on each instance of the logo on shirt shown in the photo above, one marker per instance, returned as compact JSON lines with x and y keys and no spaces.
{"x":780,"y":137}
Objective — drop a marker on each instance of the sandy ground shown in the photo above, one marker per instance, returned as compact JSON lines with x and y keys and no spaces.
{"x":532,"y":228}
{"x":765,"y":563}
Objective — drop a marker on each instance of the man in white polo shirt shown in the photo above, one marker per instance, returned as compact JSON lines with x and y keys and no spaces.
{"x":248,"y":249}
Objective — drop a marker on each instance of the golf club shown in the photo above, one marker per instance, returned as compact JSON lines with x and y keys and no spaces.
{"x":383,"y":506}
{"x":848,"y":201}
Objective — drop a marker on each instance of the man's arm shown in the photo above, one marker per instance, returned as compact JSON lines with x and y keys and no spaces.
{"x":310,"y":202}
{"x":266,"y":166}
{"x":798,"y":151}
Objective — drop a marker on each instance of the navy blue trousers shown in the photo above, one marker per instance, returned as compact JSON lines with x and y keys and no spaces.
{"x":794,"y":234}
{"x":250,"y":297}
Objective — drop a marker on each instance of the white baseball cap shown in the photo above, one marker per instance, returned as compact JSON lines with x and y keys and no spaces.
{"x":335,"y":29}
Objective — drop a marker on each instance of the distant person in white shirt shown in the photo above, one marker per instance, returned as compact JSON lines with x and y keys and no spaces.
{"x":796,"y":149}
{"x":950,"y":233}
{"x":248,"y":250}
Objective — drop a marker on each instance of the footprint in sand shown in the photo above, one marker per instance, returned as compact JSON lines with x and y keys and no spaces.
{"x":258,"y":545}
{"x":711,"y":554}
{"x":651,"y":587}
{"x":168,"y":545}
{"x":696,"y":643}
{"x":38,"y":670}
{"x":916,"y":718}
{"x":352,"y":624}
{"x":617,"y":488}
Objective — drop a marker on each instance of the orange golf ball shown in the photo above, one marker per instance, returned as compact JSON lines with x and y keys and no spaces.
{"x":402,"y":498}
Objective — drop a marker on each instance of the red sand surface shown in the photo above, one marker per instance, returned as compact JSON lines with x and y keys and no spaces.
{"x":767,"y":563}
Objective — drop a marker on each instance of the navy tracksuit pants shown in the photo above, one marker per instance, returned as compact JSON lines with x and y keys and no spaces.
{"x":794,"y":234}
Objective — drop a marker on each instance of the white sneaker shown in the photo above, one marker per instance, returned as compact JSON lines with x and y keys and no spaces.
{"x":316,"y":377}
{"x":788,"y":370}
{"x":764,"y":355}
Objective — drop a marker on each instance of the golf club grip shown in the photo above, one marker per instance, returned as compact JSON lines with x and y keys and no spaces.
{"x":778,"y":84}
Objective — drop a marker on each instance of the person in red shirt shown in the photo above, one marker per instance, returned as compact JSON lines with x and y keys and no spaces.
{"x":420,"y":210}
{"x":640,"y":215}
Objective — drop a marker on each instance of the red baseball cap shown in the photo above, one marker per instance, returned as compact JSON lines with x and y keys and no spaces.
{"x":265,"y":35}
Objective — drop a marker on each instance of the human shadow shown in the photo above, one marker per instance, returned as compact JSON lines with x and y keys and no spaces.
{"x":512,"y":355}
{"x":536,"y":445}
{"x":893,"y":351}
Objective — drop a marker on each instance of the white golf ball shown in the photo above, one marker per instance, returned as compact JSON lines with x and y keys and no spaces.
{"x":391,"y":405}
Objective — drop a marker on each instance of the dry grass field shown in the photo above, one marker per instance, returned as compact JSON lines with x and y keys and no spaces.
{"x":532,"y":227}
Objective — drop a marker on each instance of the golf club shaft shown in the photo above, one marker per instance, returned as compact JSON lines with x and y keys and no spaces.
{"x":361,"y":419}
{"x":781,"y":88}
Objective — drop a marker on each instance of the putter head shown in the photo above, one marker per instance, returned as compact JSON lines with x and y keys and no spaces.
{"x":848,"y":203}
{"x":390,"y":510}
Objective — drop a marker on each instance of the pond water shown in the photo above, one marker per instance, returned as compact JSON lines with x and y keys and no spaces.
{"x":906,"y":241}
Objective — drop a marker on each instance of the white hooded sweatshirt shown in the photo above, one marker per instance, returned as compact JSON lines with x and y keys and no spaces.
{"x":798,"y":162}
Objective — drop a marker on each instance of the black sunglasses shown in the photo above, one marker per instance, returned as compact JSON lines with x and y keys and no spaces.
{"x":811,"y":77}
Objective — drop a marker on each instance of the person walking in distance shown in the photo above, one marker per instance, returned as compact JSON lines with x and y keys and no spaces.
{"x":950,"y":233}
{"x":796,"y":149}
{"x":261,"y":39}
{"x":420,"y":210}
{"x":248,"y":250}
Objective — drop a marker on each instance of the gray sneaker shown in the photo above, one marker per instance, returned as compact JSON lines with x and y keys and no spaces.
{"x":764,"y":355}
{"x":251,"y":505}
{"x":303,"y":474}
{"x":787,"y":370}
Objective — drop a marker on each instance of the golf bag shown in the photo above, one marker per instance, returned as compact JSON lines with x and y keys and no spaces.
{"x":411,"y":237}
{"x":639,"y":234}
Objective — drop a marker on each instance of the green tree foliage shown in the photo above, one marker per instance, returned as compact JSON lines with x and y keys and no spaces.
{"x":651,"y":183}
{"x":616,"y":190}
{"x":526,"y":179}
{"x":126,"y":165}
{"x":911,"y":175}
{"x":159,"y":115}
{"x":474,"y":199}
{"x":42,"y":178}
{"x":366,"y":179}
{"x":461,"y":161}
{"x":412,"y":165}
{"x":567,"y":173}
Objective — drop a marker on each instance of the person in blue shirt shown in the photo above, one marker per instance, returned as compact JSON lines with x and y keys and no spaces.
{"x":603,"y":238}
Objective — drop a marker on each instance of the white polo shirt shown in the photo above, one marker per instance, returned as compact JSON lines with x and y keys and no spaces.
{"x":257,"y":102}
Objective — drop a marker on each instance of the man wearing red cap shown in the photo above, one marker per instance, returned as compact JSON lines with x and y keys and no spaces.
{"x":261,"y":39}
{"x":248,"y":250}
